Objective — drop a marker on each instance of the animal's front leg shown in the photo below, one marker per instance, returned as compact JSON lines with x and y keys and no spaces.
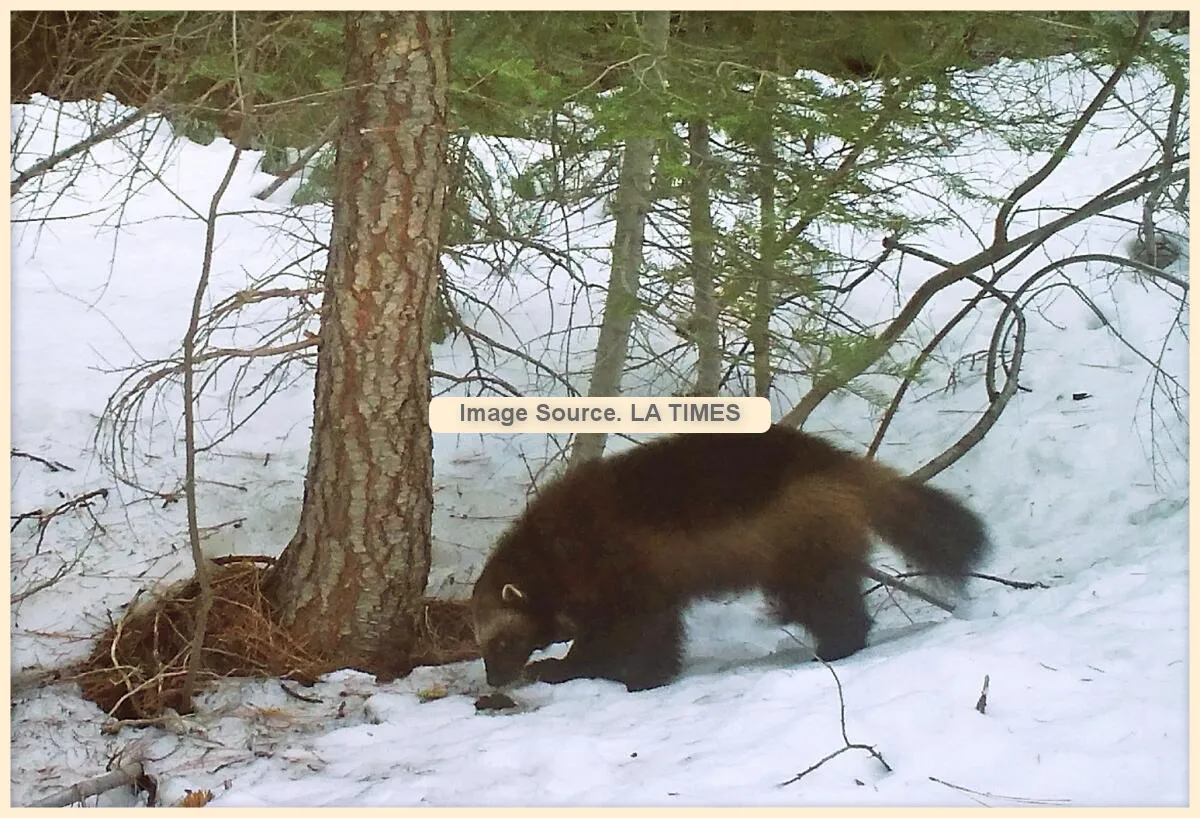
{"x":640,"y":651}
{"x":583,"y":661}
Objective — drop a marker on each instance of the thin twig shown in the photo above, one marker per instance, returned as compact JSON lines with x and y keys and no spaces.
{"x":1073,"y":134}
{"x":61,"y":572}
{"x":52,"y":465}
{"x":1016,"y":799}
{"x":44,"y":517}
{"x":297,"y":695}
{"x":105,"y":133}
{"x":894,"y":581}
{"x":916,"y":366}
{"x":988,"y":419}
{"x":195,"y":659}
{"x":1126,"y":190}
{"x":847,"y":744}
{"x":1011,"y":583}
{"x":302,"y":162}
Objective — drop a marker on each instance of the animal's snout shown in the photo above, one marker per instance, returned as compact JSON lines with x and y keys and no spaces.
{"x":502,"y":672}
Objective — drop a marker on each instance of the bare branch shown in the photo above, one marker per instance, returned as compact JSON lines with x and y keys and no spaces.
{"x":1072,"y":135}
{"x":52,"y":465}
{"x":59,"y":574}
{"x":1128,"y":189}
{"x":883,"y":578}
{"x":195,"y":658}
{"x":104,"y":134}
{"x":996,"y":407}
{"x":301,"y":162}
{"x":44,"y":517}
{"x":916,"y":366}
{"x":1011,"y":583}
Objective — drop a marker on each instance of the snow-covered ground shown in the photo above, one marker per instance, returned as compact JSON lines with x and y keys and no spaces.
{"x":1087,"y":676}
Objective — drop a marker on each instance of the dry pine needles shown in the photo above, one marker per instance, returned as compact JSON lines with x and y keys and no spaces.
{"x":138,"y":665}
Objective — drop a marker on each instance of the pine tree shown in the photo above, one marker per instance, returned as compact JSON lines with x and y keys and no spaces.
{"x":352,"y":580}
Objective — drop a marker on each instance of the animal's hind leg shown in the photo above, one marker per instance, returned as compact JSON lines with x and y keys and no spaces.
{"x":641,"y":650}
{"x":822,"y":590}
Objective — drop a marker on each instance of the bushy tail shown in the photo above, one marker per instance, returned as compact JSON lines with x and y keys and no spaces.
{"x":927,"y":525}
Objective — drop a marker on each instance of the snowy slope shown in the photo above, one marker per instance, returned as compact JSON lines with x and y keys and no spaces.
{"x":1087,"y":700}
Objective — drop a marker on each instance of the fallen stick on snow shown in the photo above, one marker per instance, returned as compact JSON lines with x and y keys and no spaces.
{"x":900,"y":585}
{"x":125,"y":774}
{"x":897,"y":582}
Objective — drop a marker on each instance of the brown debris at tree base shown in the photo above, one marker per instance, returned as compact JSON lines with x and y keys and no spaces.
{"x":138,"y":665}
{"x":444,"y":633}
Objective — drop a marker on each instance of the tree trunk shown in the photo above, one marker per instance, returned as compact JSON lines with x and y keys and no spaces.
{"x":704,"y":317}
{"x":631,"y":203}
{"x":353,"y":578}
{"x":759,"y":331}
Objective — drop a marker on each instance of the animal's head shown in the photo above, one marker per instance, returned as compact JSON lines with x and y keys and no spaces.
{"x":509,"y":626}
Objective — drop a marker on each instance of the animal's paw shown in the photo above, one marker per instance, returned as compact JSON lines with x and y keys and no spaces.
{"x":495,"y":701}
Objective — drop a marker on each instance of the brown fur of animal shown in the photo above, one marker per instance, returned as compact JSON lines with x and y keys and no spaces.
{"x":612,"y":552}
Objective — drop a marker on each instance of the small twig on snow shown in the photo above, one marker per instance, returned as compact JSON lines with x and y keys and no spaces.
{"x":297,"y":695}
{"x":981,"y":705}
{"x":1017,"y":799}
{"x":1011,"y":583}
{"x":169,"y":720}
{"x":59,"y":574}
{"x":44,"y":518}
{"x":52,"y":465}
{"x":896,"y":582}
{"x":848,"y":745}
{"x":125,"y":774}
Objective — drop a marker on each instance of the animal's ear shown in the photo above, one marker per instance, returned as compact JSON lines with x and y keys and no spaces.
{"x":512,"y":594}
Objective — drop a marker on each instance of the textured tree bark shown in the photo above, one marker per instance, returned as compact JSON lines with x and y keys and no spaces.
{"x":631,"y":203}
{"x":353,"y":578}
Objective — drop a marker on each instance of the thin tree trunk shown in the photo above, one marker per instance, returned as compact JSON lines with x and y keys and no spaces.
{"x":353,"y":578}
{"x":631,"y":203}
{"x":759,"y":331}
{"x":704,"y":318}
{"x":195,"y":662}
{"x":244,"y":74}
